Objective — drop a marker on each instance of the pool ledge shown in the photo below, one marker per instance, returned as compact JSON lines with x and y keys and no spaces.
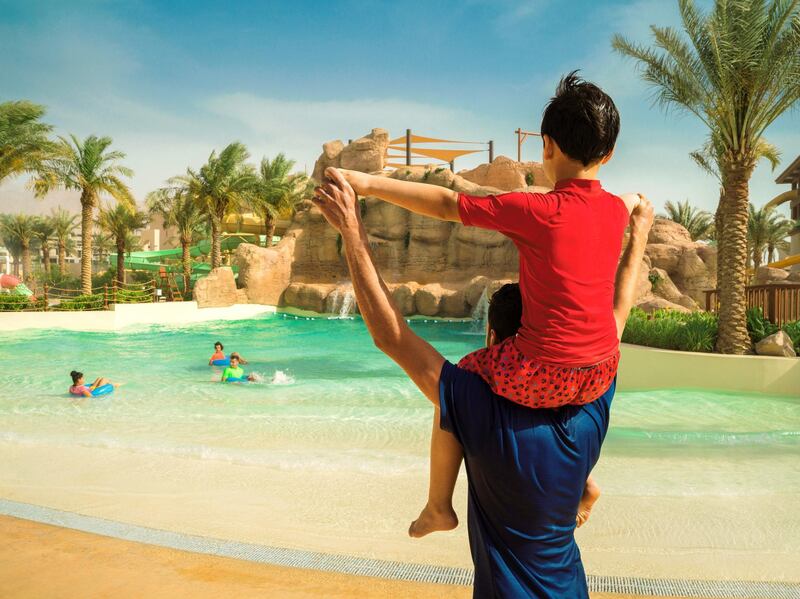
{"x":126,"y":315}
{"x":644,"y":368}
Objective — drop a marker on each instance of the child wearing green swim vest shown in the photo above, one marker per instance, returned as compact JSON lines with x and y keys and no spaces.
{"x":235,"y":373}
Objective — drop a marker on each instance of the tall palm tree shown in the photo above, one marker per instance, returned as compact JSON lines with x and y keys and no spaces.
{"x":766,"y":232}
{"x":44,"y":230}
{"x":698,"y":222}
{"x":24,"y":139}
{"x":92,"y":168}
{"x":737,"y":69}
{"x":277,"y":192}
{"x":120,"y":222}
{"x":222,"y":186}
{"x":179,"y":210}
{"x":64,"y":225}
{"x":20,"y":230}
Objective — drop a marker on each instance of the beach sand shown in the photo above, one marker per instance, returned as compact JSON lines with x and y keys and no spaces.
{"x":366,"y":515}
{"x":39,"y":560}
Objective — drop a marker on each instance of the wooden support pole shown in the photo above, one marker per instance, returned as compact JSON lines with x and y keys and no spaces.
{"x":408,"y":147}
{"x":491,"y":151}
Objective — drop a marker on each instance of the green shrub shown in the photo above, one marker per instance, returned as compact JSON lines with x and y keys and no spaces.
{"x":94,"y":301}
{"x":758,"y":326}
{"x":134,"y":296}
{"x":18,"y":303}
{"x":654,"y":279}
{"x":529,"y":179}
{"x":668,"y":329}
{"x":793,"y":330}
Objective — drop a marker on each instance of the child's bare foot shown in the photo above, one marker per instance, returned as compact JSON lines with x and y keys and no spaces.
{"x":591,"y":493}
{"x":432,"y":519}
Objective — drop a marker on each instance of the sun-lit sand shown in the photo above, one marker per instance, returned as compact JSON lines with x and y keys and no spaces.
{"x":38,"y":560}
{"x":365,"y":515}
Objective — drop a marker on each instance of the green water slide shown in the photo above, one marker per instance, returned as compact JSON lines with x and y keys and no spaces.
{"x":170,"y":260}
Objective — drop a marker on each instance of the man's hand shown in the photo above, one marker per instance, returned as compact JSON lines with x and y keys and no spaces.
{"x":338,"y":202}
{"x":642,"y":217}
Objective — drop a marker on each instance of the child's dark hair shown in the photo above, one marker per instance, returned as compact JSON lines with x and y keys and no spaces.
{"x":76,"y":376}
{"x":582,"y":119}
{"x":505,"y":311}
{"x":220,"y":345}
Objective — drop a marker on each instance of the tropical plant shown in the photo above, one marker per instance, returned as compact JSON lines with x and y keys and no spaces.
{"x":64,"y":225}
{"x":13,"y":246}
{"x":24,"y":139}
{"x":277,"y":192}
{"x":179,"y":210}
{"x":222,"y":186}
{"x":102,"y":245}
{"x":92,"y":168}
{"x":44,"y":230}
{"x":766,"y":232}
{"x":698,"y":222}
{"x":120,"y":222}
{"x":737,"y":69}
{"x":20,"y":230}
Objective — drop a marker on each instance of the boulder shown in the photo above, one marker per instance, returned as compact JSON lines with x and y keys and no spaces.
{"x":668,"y":232}
{"x":366,"y":154}
{"x":216,"y":289}
{"x":766,"y":275}
{"x":330,"y":156}
{"x":693,"y":276}
{"x":454,"y":304}
{"x":497,"y":284}
{"x":777,"y":344}
{"x":403,"y":295}
{"x":794,"y":277}
{"x":658,"y":303}
{"x":264,"y":273}
{"x":475,"y":289}
{"x":307,"y":296}
{"x":507,"y":174}
{"x":664,"y":256}
{"x":428,"y":299}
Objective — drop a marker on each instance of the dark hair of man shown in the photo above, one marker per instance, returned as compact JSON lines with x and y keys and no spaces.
{"x":582,"y":119}
{"x":505,"y":311}
{"x":76,"y":376}
{"x":220,"y":345}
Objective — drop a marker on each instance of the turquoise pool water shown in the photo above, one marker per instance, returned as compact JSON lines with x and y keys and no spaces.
{"x":337,"y":404}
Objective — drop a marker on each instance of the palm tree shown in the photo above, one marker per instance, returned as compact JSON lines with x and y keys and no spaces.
{"x":699,"y":223}
{"x":738,"y":71}
{"x":120,"y":222}
{"x":766,"y":232}
{"x":93,"y":169}
{"x":64,"y":225}
{"x":20,"y":230}
{"x":222,"y":186}
{"x":24,"y":139}
{"x":179,"y":210}
{"x":102,"y":245}
{"x":44,"y":231}
{"x":277,"y":192}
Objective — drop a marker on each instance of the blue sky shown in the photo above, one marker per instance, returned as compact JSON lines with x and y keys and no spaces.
{"x":171,"y":81}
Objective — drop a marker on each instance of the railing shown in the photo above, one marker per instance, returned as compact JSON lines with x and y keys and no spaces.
{"x":57,"y":299}
{"x":779,"y":302}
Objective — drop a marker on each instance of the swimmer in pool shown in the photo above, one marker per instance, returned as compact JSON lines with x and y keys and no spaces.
{"x":219,"y":354}
{"x":80,"y":388}
{"x":234,"y":372}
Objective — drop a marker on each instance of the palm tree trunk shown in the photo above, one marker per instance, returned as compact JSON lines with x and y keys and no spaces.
{"x":27,"y":270}
{"x":87,"y":212}
{"x":757,"y":255}
{"x":270,"y":222}
{"x":186,"y":259}
{"x":770,"y":254}
{"x":16,"y":265}
{"x":732,"y":275}
{"x":121,"y":261}
{"x":62,"y":256}
{"x":46,"y":258}
{"x":216,"y":242}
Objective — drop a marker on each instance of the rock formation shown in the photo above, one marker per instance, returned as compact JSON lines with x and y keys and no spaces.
{"x":436,"y":268}
{"x":217,"y":289}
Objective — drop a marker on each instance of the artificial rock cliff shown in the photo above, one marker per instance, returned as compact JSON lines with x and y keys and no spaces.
{"x":438,"y":268}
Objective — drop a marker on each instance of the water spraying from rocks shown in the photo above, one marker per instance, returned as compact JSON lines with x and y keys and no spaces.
{"x":480,"y":314}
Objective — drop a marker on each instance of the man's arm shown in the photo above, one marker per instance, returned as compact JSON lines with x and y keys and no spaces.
{"x":628,"y":269}
{"x":388,"y":328}
{"x":429,"y":200}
